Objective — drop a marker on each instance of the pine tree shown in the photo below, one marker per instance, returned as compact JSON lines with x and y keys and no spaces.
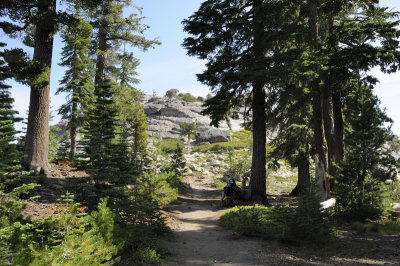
{"x":241,"y":40}
{"x":188,"y":130}
{"x":367,"y":163}
{"x":100,"y":132}
{"x":40,"y":20}
{"x":77,"y":80}
{"x":345,"y":40}
{"x":11,"y":203}
{"x":130,"y":110}
{"x":42,"y":16}
{"x":9,"y":155}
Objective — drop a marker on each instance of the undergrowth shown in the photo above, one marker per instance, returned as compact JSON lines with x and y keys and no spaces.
{"x":306,"y":223}
{"x":382,"y":227}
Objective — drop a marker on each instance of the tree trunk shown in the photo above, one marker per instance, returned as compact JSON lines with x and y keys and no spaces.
{"x":258,"y":170}
{"x":329,"y":131}
{"x":338,"y":117}
{"x":188,"y":143}
{"x":323,"y":186}
{"x":37,"y":135}
{"x":72,"y":130}
{"x":322,"y":183}
{"x":303,"y":176}
{"x":72,"y":151}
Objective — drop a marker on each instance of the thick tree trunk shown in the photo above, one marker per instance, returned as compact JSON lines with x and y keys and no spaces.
{"x":329,"y":126}
{"x":303,"y":176}
{"x":322,"y":183}
{"x":338,"y":117}
{"x":258,"y":170}
{"x":37,"y":135}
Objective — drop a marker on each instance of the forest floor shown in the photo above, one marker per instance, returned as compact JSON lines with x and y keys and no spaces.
{"x":198,"y":238}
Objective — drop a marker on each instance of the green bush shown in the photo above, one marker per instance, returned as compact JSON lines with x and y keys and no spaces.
{"x":220,"y":146}
{"x":88,"y":239}
{"x":310,"y":223}
{"x":383,"y":227}
{"x":306,"y":223}
{"x":258,"y":220}
{"x":68,"y":237}
{"x":354,"y":203}
{"x":187,"y":97}
{"x":239,"y":165}
{"x":171,"y":145}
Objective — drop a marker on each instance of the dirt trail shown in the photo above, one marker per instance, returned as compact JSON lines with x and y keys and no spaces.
{"x":198,"y":238}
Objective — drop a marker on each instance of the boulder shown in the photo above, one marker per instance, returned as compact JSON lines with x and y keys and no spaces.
{"x":175,"y":109}
{"x":152,"y":108}
{"x":212,"y":135}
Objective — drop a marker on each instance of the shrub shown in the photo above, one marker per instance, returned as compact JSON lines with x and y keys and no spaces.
{"x":383,"y":227}
{"x":355,"y":203}
{"x":257,"y":220}
{"x":239,"y":165}
{"x":187,"y":97}
{"x":307,"y":223}
{"x":171,"y":145}
{"x":310,"y":223}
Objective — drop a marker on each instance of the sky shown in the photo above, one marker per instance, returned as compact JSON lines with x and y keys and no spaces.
{"x":167,"y":66}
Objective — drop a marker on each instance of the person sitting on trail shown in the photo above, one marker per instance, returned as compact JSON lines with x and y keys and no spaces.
{"x":229,"y":188}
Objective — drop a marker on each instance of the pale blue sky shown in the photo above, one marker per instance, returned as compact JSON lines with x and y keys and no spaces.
{"x":167,"y":66}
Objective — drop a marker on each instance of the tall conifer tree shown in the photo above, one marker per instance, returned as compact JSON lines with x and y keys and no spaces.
{"x":238,"y":38}
{"x":78,"y":78}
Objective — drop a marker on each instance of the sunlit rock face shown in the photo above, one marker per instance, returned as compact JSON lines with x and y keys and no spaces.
{"x":166,"y":115}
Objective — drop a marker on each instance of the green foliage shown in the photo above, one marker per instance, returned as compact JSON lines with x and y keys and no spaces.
{"x":128,"y":107}
{"x":310,"y":223}
{"x":158,"y":188}
{"x":258,"y":220}
{"x":187,"y":97}
{"x":103,"y":143}
{"x":188,"y":130}
{"x":12,"y":193}
{"x":177,"y":167}
{"x":239,"y":165}
{"x":86,"y":239}
{"x":240,"y":140}
{"x":171,"y":93}
{"x":53,"y":143}
{"x":171,"y":145}
{"x":306,"y":223}
{"x":383,"y":227}
{"x":78,"y":78}
{"x":220,"y":146}
{"x":367,"y":164}
{"x":147,"y":255}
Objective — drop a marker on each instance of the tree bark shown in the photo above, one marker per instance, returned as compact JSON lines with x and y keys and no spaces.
{"x":303,"y":176}
{"x":72,"y":130}
{"x":329,"y":131}
{"x":338,"y":117}
{"x":37,"y":135}
{"x":258,"y":170}
{"x":322,"y":183}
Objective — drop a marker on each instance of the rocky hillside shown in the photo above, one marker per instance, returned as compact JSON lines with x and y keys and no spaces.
{"x":166,"y":115}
